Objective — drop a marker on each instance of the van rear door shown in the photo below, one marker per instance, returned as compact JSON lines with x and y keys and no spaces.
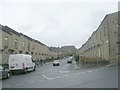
{"x":15,"y":63}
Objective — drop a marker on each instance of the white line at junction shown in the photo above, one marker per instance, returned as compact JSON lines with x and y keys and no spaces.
{"x":48,"y":78}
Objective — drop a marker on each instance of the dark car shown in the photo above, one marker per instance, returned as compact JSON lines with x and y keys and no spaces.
{"x":4,"y":73}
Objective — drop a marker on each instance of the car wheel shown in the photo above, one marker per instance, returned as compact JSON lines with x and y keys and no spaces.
{"x":8,"y":75}
{"x":26,"y":71}
{"x":34,"y":69}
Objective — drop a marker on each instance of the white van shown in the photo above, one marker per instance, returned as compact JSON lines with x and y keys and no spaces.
{"x":21,"y":63}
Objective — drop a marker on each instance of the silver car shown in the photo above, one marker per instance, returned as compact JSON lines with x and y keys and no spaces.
{"x":56,"y":63}
{"x":4,"y":73}
{"x":69,"y":61}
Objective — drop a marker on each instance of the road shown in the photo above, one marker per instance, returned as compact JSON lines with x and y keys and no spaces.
{"x":65,"y":76}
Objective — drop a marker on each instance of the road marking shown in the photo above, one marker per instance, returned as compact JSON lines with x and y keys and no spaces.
{"x":31,"y":82}
{"x":102,"y":68}
{"x":96,"y":69}
{"x":19,"y":84}
{"x":44,"y":76}
{"x":48,"y":78}
{"x":108,"y":65}
{"x":89,"y":71}
{"x":64,"y":71}
{"x":46,"y":63}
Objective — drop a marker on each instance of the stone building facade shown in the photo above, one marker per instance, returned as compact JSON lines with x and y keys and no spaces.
{"x":104,"y":43}
{"x":13,"y":42}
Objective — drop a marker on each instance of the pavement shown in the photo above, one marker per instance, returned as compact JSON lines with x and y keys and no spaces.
{"x":65,"y":76}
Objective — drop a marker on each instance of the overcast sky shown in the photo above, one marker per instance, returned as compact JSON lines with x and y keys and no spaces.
{"x":56,"y":22}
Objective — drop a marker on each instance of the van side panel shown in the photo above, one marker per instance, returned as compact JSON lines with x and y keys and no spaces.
{"x":21,"y":62}
{"x":28,"y":63}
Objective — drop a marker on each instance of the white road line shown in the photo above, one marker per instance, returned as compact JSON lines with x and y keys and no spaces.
{"x":48,"y":78}
{"x":44,"y":76}
{"x":84,"y":72}
{"x":47,"y":70}
{"x":31,"y":82}
{"x":102,"y":68}
{"x":19,"y":84}
{"x":64,"y":71}
{"x":89,"y":71}
{"x":96,"y":69}
{"x":62,"y":76}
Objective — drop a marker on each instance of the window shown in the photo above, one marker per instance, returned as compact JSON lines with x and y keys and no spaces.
{"x":114,"y":21}
{"x":27,"y":52}
{"x":117,"y":25}
{"x":6,"y":38}
{"x":33,"y":47}
{"x":6,"y":42}
{"x":11,"y":51}
{"x":20,"y":52}
{"x":16,"y":43}
{"x":23,"y":43}
{"x":104,"y":32}
{"x":28,"y":46}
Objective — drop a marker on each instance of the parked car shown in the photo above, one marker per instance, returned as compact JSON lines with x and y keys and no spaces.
{"x":4,"y":73}
{"x":56,"y":63}
{"x":21,"y":63}
{"x":69,"y":61}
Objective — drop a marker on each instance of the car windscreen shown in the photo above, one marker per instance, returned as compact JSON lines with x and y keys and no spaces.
{"x":56,"y":61}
